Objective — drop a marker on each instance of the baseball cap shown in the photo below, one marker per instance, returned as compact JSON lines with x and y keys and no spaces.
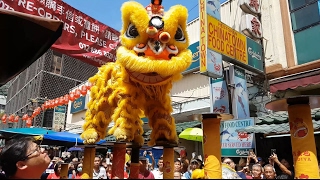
{"x":194,"y":161}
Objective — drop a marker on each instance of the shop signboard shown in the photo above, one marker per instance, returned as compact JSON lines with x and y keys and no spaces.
{"x":59,"y":118}
{"x":219,"y":96}
{"x":194,"y":48}
{"x":233,"y":143}
{"x":254,"y":54}
{"x":79,"y":104}
{"x":210,"y":60}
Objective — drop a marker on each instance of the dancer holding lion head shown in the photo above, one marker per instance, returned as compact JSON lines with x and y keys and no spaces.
{"x":153,"y":54}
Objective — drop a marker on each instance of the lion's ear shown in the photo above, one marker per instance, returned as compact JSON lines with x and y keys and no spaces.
{"x":133,"y":14}
{"x":174,"y":19}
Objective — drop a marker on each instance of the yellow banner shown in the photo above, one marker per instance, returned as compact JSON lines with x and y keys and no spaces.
{"x":203,"y":35}
{"x":225,"y":40}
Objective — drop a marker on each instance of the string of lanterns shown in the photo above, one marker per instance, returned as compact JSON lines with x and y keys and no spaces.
{"x":48,"y":104}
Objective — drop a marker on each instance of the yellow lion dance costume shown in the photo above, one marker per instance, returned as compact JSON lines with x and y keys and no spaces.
{"x":153,"y":54}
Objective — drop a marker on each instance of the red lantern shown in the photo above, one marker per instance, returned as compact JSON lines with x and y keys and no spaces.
{"x":11,"y":118}
{"x":66,"y":99}
{"x":89,"y":86}
{"x":77,"y":93}
{"x":72,"y":97}
{"x":43,"y":107}
{"x":25,"y":117}
{"x":83,"y":90}
{"x":4,"y":119}
{"x":16,"y":119}
{"x":29,"y":122}
{"x":61,"y":101}
{"x":52,"y":103}
{"x":56,"y":102}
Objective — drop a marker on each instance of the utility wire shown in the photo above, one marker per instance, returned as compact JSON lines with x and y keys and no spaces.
{"x":193,"y":8}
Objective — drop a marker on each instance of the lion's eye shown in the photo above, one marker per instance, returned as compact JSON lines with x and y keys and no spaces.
{"x":179,"y":36}
{"x":132,"y":31}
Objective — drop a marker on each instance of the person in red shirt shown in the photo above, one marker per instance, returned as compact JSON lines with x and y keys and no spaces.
{"x":56,"y":173}
{"x":144,"y":173}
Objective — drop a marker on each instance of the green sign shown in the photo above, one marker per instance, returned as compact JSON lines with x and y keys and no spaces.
{"x":240,"y":73}
{"x":60,"y":109}
{"x":78,"y":105}
{"x":195,"y":58}
{"x":241,"y":152}
{"x":255,"y":58}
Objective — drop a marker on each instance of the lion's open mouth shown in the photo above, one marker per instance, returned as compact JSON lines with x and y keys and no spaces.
{"x":150,"y":78}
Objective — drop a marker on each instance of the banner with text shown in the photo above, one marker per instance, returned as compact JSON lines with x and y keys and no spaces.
{"x":233,"y":143}
{"x":194,"y":66}
{"x":219,"y":96}
{"x":210,"y":60}
{"x":83,"y":37}
{"x":240,"y":100}
{"x":79,"y":104}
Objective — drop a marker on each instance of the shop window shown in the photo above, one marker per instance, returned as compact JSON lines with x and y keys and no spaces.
{"x":305,"y":19}
{"x":56,"y":64}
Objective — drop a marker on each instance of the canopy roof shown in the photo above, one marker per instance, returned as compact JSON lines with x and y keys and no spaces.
{"x":27,"y":131}
{"x":66,"y":137}
{"x":277,"y":123}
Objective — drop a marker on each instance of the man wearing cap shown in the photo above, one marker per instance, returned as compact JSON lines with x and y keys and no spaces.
{"x":144,"y":173}
{"x":194,"y":164}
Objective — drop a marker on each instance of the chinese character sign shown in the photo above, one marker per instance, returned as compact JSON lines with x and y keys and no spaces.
{"x":83,"y":37}
{"x":233,"y":143}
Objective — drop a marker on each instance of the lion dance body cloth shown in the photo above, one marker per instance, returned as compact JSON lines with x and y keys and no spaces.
{"x":153,"y":54}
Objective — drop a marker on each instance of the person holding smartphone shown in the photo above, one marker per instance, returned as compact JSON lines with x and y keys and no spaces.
{"x":287,"y":171}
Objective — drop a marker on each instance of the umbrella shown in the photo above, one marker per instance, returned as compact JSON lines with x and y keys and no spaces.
{"x":24,"y":39}
{"x":75,"y":149}
{"x":192,"y":134}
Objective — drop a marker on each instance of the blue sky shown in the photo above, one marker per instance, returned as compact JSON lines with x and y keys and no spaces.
{"x":108,"y":11}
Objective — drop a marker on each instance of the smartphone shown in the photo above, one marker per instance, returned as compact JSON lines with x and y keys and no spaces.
{"x":273,"y":151}
{"x":251,"y":152}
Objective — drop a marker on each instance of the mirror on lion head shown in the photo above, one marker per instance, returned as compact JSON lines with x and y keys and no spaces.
{"x":157,"y":42}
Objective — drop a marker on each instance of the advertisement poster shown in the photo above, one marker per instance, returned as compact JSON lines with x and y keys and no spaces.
{"x":233,"y":143}
{"x":82,"y":38}
{"x":213,"y":8}
{"x":240,"y":100}
{"x":59,"y":118}
{"x":219,"y":96}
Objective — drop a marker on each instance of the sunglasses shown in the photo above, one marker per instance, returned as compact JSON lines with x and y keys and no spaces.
{"x":38,"y":149}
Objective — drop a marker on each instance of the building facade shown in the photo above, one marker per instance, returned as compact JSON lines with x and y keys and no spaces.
{"x":51,"y":76}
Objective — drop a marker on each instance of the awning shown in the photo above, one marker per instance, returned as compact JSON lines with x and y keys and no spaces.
{"x":66,"y":137}
{"x":296,"y":80}
{"x":27,"y":131}
{"x":24,"y":38}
